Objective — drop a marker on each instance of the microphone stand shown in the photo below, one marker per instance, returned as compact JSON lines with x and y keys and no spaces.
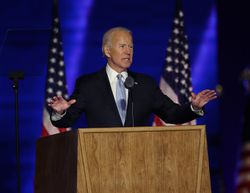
{"x":129,"y":84}
{"x":15,"y":77}
{"x":132,"y":107}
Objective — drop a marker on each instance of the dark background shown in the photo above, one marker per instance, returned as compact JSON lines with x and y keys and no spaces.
{"x":218,"y":35}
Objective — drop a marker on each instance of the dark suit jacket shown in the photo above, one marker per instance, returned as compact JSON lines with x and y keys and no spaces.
{"x":95,"y":98}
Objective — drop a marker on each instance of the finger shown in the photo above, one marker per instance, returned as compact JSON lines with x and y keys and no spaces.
{"x":72,"y":101}
{"x":213,"y":97}
{"x":51,"y":100}
{"x":54,"y":99}
{"x":193,"y":95}
{"x":208,"y":94}
{"x":60,"y":98}
{"x":206,"y":99}
{"x":204,"y":92}
{"x":211,"y":94}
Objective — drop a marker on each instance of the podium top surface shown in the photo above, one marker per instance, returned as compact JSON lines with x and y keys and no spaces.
{"x":141,"y":129}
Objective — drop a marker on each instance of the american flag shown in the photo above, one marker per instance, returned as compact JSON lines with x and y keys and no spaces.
{"x":55,"y":78}
{"x":243,"y":179}
{"x":176,"y":80}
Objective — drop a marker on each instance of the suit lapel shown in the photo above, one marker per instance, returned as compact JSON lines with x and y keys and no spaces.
{"x":109,"y":97}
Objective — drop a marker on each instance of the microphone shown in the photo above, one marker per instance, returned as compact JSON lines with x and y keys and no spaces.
{"x":129,"y":84}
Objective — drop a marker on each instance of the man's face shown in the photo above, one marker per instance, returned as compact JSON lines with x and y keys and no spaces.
{"x":120,"y":53}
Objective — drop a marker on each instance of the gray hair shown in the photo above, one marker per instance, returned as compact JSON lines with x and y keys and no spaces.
{"x":107,"y":37}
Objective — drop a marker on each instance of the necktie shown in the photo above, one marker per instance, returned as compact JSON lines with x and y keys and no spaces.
{"x":121,"y":98}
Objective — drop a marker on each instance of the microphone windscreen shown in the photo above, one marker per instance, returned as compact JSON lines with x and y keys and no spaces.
{"x":129,"y":82}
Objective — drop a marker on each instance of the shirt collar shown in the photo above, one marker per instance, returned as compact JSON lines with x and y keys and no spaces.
{"x":112,"y":74}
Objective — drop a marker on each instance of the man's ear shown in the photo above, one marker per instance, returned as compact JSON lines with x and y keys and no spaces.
{"x":107,"y":51}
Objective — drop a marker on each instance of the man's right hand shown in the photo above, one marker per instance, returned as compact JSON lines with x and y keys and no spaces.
{"x":59,"y":104}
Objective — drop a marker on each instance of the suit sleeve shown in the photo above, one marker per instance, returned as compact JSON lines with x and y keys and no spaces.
{"x":75,"y":111}
{"x":169,"y":111}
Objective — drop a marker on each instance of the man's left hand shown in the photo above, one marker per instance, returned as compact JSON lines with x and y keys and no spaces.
{"x":202,"y":98}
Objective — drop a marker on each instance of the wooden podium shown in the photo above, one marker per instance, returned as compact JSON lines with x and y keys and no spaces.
{"x":124,"y":160}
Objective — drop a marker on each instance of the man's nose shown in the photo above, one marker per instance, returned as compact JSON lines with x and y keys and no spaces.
{"x":128,"y":50}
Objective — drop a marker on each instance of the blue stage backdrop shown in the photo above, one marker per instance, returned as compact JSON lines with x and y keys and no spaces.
{"x":83,"y":24}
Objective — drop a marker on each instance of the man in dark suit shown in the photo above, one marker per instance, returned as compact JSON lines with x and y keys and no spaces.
{"x":107,"y":103}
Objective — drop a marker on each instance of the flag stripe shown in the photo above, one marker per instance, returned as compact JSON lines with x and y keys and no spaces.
{"x":243,"y":180}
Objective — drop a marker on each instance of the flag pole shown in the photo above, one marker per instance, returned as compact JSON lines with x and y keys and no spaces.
{"x":15,"y":77}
